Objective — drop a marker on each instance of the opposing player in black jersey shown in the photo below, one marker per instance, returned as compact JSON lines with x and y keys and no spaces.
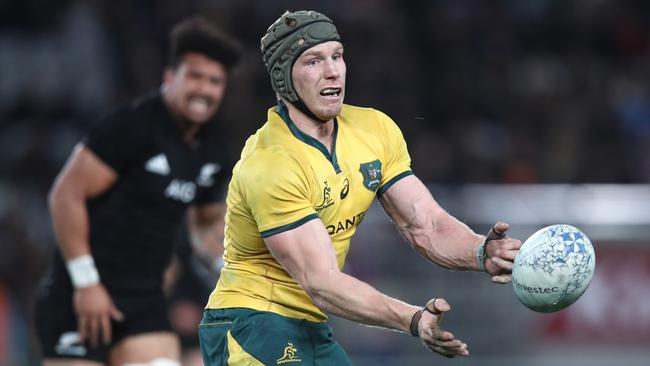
{"x":119,"y":202}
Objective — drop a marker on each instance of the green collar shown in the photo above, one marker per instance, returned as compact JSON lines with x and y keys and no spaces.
{"x":284,"y":113}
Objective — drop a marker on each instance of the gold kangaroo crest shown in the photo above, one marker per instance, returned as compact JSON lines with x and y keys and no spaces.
{"x":289,"y":355}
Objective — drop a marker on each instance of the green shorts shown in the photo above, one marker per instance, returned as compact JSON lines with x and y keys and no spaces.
{"x":239,"y":336}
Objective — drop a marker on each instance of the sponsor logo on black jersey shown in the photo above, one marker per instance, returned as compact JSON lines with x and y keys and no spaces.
{"x":327,"y":198}
{"x":181,"y":190}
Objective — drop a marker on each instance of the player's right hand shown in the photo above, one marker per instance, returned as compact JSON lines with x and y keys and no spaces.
{"x":95,"y":309}
{"x":500,"y":251}
{"x":435,"y":338}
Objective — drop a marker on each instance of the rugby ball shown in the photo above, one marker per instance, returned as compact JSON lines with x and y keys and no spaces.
{"x":553,"y":268}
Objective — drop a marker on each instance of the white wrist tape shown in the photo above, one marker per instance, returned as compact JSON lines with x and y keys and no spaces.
{"x":83,"y":272}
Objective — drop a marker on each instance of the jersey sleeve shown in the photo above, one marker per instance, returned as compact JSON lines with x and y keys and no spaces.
{"x":217,"y":191}
{"x":116,"y":138}
{"x":277,"y":190}
{"x":396,"y":156}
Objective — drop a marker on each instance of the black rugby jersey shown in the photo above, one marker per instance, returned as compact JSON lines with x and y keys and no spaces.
{"x":134,"y":226}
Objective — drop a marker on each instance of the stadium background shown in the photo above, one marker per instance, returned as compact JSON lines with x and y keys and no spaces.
{"x":529,"y":111}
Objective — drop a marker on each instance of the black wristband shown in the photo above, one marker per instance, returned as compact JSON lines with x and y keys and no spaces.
{"x":414,"y":323}
{"x":415,"y":319}
{"x":481,"y":252}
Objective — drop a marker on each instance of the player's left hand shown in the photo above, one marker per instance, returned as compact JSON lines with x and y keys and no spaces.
{"x":433,"y":336}
{"x":500,"y":253}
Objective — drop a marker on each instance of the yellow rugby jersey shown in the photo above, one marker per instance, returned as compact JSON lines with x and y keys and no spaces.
{"x":285,"y":178}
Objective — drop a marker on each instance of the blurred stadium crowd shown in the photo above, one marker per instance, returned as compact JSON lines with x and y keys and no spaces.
{"x":512,"y":91}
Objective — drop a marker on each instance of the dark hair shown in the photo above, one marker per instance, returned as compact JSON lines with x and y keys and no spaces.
{"x":198,"y":35}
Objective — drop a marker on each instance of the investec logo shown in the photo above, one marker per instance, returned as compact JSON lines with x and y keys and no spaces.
{"x":345,"y":224}
{"x":535,"y":290}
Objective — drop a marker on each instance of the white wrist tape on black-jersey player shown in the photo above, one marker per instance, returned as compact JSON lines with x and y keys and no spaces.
{"x":83,"y":272}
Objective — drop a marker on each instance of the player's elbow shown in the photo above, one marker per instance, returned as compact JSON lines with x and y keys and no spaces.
{"x":320,"y":298}
{"x":321,"y":302}
{"x":61,"y":194}
{"x":54,"y":196}
{"x":319,"y":286}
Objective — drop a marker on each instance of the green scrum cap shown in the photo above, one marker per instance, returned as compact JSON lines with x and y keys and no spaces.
{"x":287,"y":39}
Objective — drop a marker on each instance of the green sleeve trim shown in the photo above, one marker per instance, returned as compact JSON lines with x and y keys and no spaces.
{"x":394,"y":180}
{"x":293,"y":225}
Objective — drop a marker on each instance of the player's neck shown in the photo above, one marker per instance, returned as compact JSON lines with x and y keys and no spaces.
{"x":321,"y":131}
{"x":190,"y":133}
{"x":188,"y":130}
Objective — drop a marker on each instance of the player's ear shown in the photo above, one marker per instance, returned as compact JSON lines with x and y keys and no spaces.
{"x":168,"y":75}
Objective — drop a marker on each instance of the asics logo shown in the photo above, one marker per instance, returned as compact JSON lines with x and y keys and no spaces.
{"x":346,"y":188}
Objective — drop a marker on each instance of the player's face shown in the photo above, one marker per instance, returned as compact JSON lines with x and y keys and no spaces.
{"x":318,"y":76}
{"x":195,"y":88}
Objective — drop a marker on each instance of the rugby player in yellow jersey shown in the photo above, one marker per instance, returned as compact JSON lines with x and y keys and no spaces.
{"x":298,"y":194}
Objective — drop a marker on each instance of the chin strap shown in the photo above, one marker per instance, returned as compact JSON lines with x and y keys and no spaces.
{"x":301,"y":106}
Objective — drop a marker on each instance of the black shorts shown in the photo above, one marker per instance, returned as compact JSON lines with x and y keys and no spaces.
{"x":56,"y":322}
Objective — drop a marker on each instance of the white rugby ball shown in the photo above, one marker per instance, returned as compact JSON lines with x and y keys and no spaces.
{"x":553,"y":268}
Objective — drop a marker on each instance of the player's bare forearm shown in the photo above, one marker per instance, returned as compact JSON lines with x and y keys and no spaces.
{"x":347,"y":297}
{"x":307,"y":254}
{"x":431,"y":230}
